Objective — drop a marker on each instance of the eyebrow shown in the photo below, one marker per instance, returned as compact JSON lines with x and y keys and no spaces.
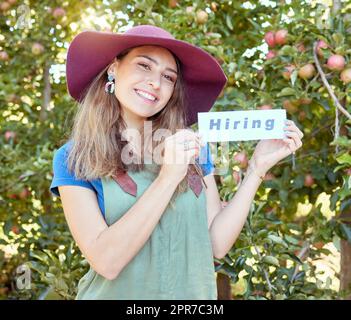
{"x":154,"y":61}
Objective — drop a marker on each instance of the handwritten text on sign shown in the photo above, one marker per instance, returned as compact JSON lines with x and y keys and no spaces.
{"x":242,"y":125}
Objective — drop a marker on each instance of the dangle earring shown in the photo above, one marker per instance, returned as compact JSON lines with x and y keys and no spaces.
{"x":110,"y":85}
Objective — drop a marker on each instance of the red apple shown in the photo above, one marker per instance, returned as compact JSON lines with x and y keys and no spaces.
{"x":281,"y":36}
{"x":24,"y":193}
{"x":321,"y":45}
{"x":265,"y":107}
{"x":58,"y":12}
{"x":269,"y":176}
{"x":269,"y":38}
{"x":290,"y":106}
{"x":345,"y":76}
{"x":4,"y":56}
{"x":336,"y":62}
{"x":271,"y":54}
{"x":172,"y":3}
{"x":305,"y":101}
{"x":307,"y":71}
{"x":10,"y":135}
{"x":242,"y":159}
{"x":309,"y":181}
{"x":37,"y":48}
{"x":15,"y":229}
{"x":4,"y":6}
{"x":288,"y":70}
{"x":201,"y":17}
{"x":318,"y":245}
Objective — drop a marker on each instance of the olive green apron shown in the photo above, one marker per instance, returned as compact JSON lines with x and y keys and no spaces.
{"x":176,"y":262}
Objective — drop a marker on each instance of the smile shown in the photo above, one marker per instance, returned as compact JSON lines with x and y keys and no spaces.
{"x":145,"y":96}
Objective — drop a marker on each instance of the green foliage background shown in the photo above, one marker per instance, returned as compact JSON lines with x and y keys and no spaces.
{"x":273,"y":258}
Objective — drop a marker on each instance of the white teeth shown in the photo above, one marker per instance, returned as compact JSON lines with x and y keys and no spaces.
{"x":146,"y":95}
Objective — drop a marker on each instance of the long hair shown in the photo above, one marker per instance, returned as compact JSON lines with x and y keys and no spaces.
{"x":96,"y":136}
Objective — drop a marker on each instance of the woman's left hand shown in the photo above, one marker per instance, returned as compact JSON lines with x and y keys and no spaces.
{"x":268,"y":152}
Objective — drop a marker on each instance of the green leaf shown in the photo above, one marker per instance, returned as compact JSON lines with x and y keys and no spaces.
{"x":286,"y":92}
{"x":325,"y":103}
{"x":277,"y":240}
{"x":61,"y":285}
{"x":294,"y":257}
{"x":39,"y":255}
{"x":50,"y":294}
{"x":283,"y":195}
{"x":229,"y":22}
{"x":291,"y":239}
{"x":293,"y":77}
{"x":344,"y":158}
{"x":271,"y":260}
{"x":338,"y":38}
{"x":228,"y":260}
{"x":288,"y":50}
{"x":7,"y":227}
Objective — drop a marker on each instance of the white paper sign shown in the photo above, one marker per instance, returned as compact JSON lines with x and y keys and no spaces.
{"x":242,"y":125}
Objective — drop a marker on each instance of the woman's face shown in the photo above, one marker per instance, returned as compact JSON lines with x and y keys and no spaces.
{"x":144,"y":81}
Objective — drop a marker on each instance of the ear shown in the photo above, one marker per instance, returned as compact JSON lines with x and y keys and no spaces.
{"x":113,"y":67}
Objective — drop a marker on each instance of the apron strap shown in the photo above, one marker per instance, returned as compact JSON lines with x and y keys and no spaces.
{"x":128,"y":185}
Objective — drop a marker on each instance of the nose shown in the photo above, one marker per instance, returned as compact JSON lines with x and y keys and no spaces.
{"x":154,"y":81}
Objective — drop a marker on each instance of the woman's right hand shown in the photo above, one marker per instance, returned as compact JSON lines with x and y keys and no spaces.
{"x":175,"y":159}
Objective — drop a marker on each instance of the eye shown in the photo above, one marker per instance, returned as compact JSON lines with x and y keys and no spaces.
{"x":169,"y":78}
{"x":145,"y":66}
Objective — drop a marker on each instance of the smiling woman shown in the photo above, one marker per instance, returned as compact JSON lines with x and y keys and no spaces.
{"x":139,"y":245}
{"x":149,"y":230}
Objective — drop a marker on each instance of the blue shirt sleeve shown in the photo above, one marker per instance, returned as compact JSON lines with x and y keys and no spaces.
{"x":205,"y":160}
{"x":62,"y":176}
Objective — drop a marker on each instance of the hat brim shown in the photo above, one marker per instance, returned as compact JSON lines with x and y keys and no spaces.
{"x":91,"y":51}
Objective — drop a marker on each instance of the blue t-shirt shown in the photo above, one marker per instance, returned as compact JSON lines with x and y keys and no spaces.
{"x":63,"y":177}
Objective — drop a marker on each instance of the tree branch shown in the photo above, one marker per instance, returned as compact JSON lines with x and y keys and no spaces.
{"x":326,"y":84}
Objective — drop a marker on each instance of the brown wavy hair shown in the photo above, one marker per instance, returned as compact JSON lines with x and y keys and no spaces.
{"x":96,"y":135}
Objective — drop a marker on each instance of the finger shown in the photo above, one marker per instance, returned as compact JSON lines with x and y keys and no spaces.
{"x":291,"y":144}
{"x":294,"y":136}
{"x":292,"y":126}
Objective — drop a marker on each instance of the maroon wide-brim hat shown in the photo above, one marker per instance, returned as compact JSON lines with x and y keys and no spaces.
{"x":91,"y":51}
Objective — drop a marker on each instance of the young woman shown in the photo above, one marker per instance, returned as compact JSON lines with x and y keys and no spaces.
{"x":141,"y":201}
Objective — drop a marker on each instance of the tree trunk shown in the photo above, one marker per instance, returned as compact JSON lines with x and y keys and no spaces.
{"x":345,"y":270}
{"x":47,"y":93}
{"x":224,"y":289}
{"x":345,"y":256}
